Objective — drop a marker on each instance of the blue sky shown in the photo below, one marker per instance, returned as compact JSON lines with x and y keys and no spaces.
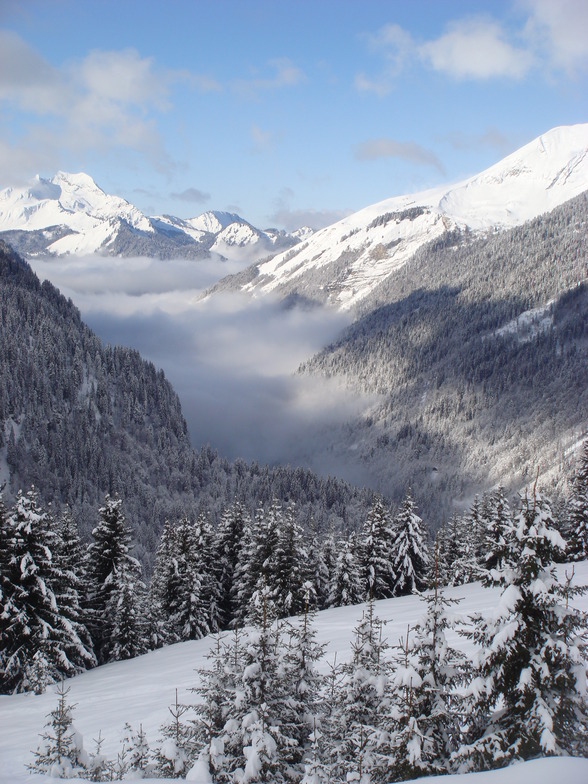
{"x":289,"y":113}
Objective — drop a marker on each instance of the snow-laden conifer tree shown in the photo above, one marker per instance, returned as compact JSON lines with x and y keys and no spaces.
{"x":61,"y":751}
{"x":32,"y":623}
{"x":325,"y":555}
{"x":411,"y":552}
{"x":288,"y":574}
{"x":234,"y":521}
{"x":173,"y":757}
{"x":577,"y":512}
{"x":304,"y":707}
{"x":346,"y":584}
{"x":425,"y":717}
{"x":357,"y":745}
{"x":497,"y":544}
{"x":264,"y":694}
{"x":255,"y":562}
{"x":163,"y":589}
{"x":71,"y":591}
{"x":377,"y":552}
{"x":211,"y":592}
{"x":127,"y":608}
{"x":112,"y":572}
{"x":216,"y":760}
{"x":189,"y":610}
{"x":528,"y":691}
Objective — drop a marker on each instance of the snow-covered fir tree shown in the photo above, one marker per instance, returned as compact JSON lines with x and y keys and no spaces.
{"x":528,"y":691}
{"x":346,"y":586}
{"x":172,"y":756}
{"x":357,"y":734}
{"x":289,"y":576}
{"x":304,"y":705}
{"x":233,"y":522}
{"x":256,"y":562}
{"x":113,"y":573}
{"x":60,"y":753}
{"x":32,"y":624}
{"x":411,"y":552}
{"x":264,"y":696}
{"x":497,"y":545}
{"x":377,"y":552}
{"x":71,"y":590}
{"x":163,"y":590}
{"x":577,"y":513}
{"x":425,"y":717}
{"x":188,"y":610}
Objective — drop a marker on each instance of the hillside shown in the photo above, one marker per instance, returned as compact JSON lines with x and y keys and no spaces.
{"x":479,"y":351}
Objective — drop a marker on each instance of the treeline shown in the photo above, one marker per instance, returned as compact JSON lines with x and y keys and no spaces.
{"x":266,"y":712}
{"x":65,"y":606}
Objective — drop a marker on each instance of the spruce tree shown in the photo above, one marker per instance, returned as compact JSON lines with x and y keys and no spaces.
{"x":289,"y":576}
{"x":346,"y":584}
{"x":60,"y":753}
{"x":113,"y":573}
{"x":577,"y":513}
{"x":163,"y":589}
{"x":531,"y":651}
{"x":32,"y":623}
{"x":411,"y":553}
{"x":233,"y":522}
{"x":377,"y":549}
{"x":357,"y":742}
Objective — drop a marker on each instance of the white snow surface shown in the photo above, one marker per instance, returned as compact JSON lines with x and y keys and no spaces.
{"x":531,"y":181}
{"x":139,"y":691}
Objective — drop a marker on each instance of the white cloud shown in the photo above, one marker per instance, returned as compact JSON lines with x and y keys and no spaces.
{"x":107,"y":100}
{"x":476,"y":49}
{"x":551,"y":37}
{"x":559,"y":31}
{"x":390,"y":148}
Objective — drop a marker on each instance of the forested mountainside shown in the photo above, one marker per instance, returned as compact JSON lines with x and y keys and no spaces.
{"x":479,"y":347}
{"x":79,"y":419}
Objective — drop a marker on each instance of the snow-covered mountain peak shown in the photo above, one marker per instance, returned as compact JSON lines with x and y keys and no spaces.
{"x":214,"y":221}
{"x":343,"y":263}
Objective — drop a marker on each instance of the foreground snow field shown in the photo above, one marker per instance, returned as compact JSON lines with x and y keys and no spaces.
{"x":139,"y":691}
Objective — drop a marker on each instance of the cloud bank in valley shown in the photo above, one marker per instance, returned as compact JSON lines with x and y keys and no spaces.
{"x":232,"y":359}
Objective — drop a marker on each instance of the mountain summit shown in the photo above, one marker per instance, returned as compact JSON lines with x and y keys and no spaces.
{"x":341,"y":264}
{"x":71,"y":214}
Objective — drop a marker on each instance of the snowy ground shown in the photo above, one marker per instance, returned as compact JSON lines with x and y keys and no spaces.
{"x":140,"y":690}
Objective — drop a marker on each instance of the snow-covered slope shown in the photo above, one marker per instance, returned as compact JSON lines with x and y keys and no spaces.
{"x":139,"y":691}
{"x":342,"y":263}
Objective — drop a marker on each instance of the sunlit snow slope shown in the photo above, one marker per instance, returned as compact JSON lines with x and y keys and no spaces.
{"x":344,"y":262}
{"x":139,"y":691}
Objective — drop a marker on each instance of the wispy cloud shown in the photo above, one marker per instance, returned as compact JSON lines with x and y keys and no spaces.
{"x":294,"y":218}
{"x":492,"y":138}
{"x":390,"y":148}
{"x":193,"y":195}
{"x":283,"y":74}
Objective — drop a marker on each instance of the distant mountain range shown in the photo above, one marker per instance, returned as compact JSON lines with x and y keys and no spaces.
{"x":343,"y":263}
{"x":70,"y":214}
